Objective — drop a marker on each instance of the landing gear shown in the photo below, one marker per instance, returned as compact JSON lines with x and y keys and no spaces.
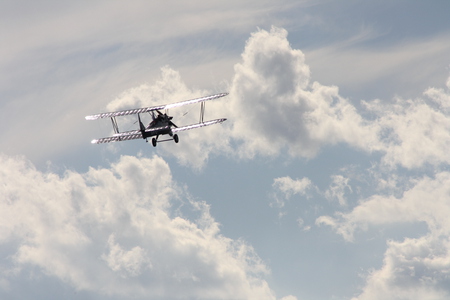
{"x":155,"y":140}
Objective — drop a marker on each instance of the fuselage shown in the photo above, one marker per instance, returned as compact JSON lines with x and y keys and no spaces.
{"x":162,"y":125}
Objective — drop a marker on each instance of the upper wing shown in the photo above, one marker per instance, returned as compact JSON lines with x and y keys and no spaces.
{"x":197,"y":100}
{"x":147,"y":109}
{"x":198,"y":125}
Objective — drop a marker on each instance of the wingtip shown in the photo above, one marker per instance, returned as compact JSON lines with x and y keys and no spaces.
{"x":94,"y":141}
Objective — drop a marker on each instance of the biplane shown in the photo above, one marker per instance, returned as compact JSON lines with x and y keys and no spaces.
{"x":161,"y":123}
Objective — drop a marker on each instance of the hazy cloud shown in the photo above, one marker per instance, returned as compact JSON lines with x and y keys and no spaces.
{"x":338,"y":188}
{"x":290,"y":187}
{"x":286,"y":187}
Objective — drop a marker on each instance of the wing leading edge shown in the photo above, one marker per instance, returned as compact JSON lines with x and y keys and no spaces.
{"x":153,"y":108}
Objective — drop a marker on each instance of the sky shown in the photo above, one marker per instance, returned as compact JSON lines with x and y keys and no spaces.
{"x":330,"y":178}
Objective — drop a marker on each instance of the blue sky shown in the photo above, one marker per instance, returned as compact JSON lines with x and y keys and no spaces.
{"x":329,"y":180}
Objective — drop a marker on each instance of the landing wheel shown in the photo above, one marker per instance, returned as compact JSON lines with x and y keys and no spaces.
{"x":154,"y":142}
{"x":175,"y":138}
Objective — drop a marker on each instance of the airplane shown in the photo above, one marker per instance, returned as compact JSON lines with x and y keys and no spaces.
{"x":161,"y":123}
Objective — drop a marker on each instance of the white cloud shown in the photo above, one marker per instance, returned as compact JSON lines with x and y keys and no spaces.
{"x":285,"y":187}
{"x":130,"y":262}
{"x":301,"y":224}
{"x":274,"y":105}
{"x":414,"y":132}
{"x":425,"y":202}
{"x":412,"y":269}
{"x":116,"y":231}
{"x":415,"y":268}
{"x":440,"y":96}
{"x":338,"y":189}
{"x":291,"y":187}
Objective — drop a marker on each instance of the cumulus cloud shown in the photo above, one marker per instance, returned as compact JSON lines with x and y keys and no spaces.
{"x":412,"y":269}
{"x":275,"y":106}
{"x":414,"y":132}
{"x":415,"y":268}
{"x":119,"y":231}
{"x":426,"y":201}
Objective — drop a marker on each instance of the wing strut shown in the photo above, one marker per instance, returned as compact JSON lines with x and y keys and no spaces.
{"x":114,"y":124}
{"x":202,"y":111}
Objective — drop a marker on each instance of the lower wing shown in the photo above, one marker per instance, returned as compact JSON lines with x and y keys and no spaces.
{"x":123,"y":136}
{"x":136,"y":134}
